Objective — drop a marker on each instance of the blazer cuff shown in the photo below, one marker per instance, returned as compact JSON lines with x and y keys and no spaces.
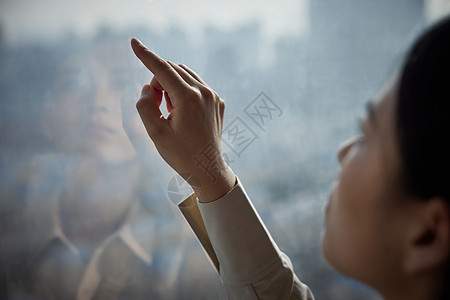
{"x":244,"y":247}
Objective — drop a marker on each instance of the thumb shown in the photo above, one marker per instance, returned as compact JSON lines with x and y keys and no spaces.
{"x":148,"y":108}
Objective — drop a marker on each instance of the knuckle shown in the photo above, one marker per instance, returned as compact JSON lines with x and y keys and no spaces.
{"x":207,"y":93}
{"x":164,"y":65}
{"x":221,"y":104}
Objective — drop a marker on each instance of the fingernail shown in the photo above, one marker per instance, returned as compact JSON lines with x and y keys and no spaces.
{"x":139,"y":42}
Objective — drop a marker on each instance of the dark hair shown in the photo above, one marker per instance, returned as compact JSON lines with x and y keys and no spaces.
{"x":423,"y":121}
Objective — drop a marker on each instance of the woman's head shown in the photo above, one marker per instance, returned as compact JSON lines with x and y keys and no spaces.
{"x":83,"y":113}
{"x":388,"y":219}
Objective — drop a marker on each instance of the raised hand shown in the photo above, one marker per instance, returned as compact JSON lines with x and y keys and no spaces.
{"x":193,"y":126}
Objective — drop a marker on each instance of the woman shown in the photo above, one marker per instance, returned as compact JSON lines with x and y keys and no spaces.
{"x":89,"y":222}
{"x":388,"y":218}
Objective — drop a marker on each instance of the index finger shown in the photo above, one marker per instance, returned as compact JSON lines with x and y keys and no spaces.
{"x":169,"y":79}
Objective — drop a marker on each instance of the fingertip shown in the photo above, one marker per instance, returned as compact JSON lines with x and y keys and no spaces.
{"x":136,"y":42}
{"x":137,"y":46}
{"x":145,"y":89}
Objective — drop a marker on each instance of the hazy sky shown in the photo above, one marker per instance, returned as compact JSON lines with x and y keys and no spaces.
{"x":22,"y":19}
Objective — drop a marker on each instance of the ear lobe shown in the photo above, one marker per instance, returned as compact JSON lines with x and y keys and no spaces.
{"x":429,"y":247}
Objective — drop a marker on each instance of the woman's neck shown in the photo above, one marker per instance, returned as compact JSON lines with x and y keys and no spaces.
{"x":97,"y":199}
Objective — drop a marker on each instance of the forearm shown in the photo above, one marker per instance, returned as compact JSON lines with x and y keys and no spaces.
{"x":250,"y":263}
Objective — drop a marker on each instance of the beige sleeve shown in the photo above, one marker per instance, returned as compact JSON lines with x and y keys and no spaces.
{"x":249,"y":262}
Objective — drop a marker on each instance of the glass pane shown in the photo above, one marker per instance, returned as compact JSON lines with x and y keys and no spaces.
{"x":88,"y":207}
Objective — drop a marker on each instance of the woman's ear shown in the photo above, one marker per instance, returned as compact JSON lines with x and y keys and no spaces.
{"x":428,"y":246}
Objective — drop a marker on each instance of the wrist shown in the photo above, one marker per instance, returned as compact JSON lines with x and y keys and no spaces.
{"x":209,"y":188}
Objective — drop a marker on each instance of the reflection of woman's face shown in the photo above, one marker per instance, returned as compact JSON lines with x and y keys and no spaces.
{"x":84,"y":112}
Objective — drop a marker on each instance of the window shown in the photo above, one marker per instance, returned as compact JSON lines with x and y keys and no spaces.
{"x":87,"y":204}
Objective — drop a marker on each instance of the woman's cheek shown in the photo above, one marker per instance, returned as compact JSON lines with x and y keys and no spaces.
{"x":345,"y":213}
